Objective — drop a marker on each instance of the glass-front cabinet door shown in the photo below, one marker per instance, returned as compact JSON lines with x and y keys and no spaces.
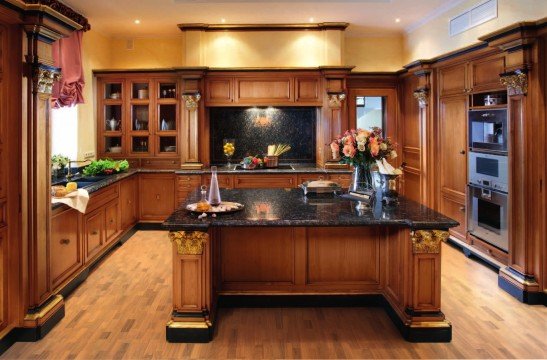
{"x":166,"y":115}
{"x":140,"y":115}
{"x":369,"y":108}
{"x":111,"y":118}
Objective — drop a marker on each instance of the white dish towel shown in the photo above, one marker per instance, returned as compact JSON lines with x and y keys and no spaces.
{"x":77,"y":200}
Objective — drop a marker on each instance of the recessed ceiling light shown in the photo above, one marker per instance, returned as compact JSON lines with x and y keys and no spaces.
{"x":137,"y":21}
{"x":311,"y":20}
{"x":223,"y":20}
{"x":397,"y":20}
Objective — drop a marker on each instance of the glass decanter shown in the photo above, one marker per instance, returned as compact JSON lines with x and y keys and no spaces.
{"x":214,"y":192}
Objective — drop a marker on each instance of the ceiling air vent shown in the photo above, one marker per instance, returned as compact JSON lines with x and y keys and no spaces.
{"x":477,"y":15}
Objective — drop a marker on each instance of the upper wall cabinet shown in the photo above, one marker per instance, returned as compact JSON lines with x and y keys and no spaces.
{"x":477,"y":75}
{"x":138,"y":116}
{"x":485,"y":73}
{"x":268,"y":89}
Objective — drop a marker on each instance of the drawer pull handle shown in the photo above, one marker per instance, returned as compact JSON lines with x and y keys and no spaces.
{"x":148,"y":161}
{"x":157,"y":196}
{"x":129,"y":202}
{"x":172,"y":162}
{"x":462,"y":208}
{"x":94,"y":232}
{"x":64,"y":241}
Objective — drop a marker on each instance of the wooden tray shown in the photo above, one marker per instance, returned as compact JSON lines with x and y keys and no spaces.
{"x":225,"y":207}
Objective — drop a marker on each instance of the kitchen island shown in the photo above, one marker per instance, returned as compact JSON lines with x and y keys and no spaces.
{"x":284,"y":247}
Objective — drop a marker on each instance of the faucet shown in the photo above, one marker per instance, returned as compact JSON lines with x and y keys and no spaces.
{"x":69,"y":174}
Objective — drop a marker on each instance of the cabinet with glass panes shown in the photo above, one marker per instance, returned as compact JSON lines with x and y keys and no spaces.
{"x":138,"y":116}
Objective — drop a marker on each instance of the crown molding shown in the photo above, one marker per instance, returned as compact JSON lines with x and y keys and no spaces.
{"x":433,"y":15}
{"x":264,"y":27}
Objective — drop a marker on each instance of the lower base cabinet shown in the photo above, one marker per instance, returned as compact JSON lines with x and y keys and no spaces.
{"x":128,"y":202}
{"x":65,"y":249}
{"x":455,"y":209}
{"x":157,"y":196}
{"x":94,"y":233}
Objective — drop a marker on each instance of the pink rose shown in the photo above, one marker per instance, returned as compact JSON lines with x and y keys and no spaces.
{"x":349,"y":150}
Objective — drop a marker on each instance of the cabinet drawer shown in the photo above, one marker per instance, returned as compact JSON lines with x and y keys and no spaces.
{"x":103,"y":196}
{"x":343,"y":179}
{"x":112,"y":227}
{"x":224,"y":181}
{"x":93,"y":233}
{"x":65,"y":250}
{"x":185,"y":180}
{"x":488,"y":249}
{"x":160,"y":163}
{"x":264,"y":181}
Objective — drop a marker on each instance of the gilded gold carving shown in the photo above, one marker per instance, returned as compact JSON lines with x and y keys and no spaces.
{"x":422,"y":96}
{"x":428,"y":241}
{"x":44,"y":79}
{"x":335,"y":100}
{"x":189,"y":242}
{"x":517,"y":83}
{"x":191,"y":101}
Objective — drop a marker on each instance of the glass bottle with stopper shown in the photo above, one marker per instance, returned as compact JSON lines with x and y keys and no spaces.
{"x":214,"y":192}
{"x":203,"y":205}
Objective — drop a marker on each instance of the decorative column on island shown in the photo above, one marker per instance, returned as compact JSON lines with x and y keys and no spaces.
{"x":279,"y":244}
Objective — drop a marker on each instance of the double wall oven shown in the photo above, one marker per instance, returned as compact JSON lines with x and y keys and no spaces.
{"x":488,"y":177}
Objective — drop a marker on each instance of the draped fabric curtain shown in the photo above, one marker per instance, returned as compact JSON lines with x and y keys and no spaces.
{"x":67,"y":55}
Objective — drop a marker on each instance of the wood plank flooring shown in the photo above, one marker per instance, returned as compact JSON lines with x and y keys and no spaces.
{"x":122,"y":308}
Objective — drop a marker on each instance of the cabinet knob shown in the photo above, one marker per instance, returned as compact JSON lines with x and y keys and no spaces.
{"x":462,"y":208}
{"x":129,"y":202}
{"x":94,"y":232}
{"x":111,"y":221}
{"x":172,"y":162}
{"x":148,"y":161}
{"x":462,"y":152}
{"x":64,"y":241}
{"x":157,"y":196}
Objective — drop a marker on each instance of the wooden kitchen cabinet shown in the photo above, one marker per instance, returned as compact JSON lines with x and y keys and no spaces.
{"x":128,"y":202}
{"x":308,"y":90}
{"x":186,"y":184}
{"x":224,"y":181}
{"x":264,"y":90}
{"x":94,"y":232}
{"x":477,"y":75}
{"x":264,"y":181}
{"x":219,"y":91}
{"x":112,"y":221}
{"x":452,"y":143}
{"x":343,"y":179}
{"x":65,"y":249}
{"x":453,"y":80}
{"x":484,"y":74}
{"x":157,"y":196}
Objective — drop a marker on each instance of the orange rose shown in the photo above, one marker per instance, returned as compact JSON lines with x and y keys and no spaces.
{"x":374,"y":147}
{"x":349,"y":150}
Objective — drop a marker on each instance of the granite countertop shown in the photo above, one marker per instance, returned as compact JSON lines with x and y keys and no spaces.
{"x":289,"y":207}
{"x":111,"y":179}
{"x":297,"y":169}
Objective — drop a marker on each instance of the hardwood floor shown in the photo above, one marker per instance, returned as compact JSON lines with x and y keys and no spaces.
{"x":122,"y":308}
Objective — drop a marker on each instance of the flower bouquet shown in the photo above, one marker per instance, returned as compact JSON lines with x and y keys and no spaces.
{"x":361,"y":149}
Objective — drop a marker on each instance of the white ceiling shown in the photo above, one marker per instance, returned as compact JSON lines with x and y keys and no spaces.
{"x":160,"y":17}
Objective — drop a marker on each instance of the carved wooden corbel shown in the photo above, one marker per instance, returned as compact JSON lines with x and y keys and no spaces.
{"x":516,"y":82}
{"x":428,"y":241}
{"x":189,"y":242}
{"x":422,"y":95}
{"x":43,"y":79}
{"x":191,"y":100}
{"x":335,"y":100}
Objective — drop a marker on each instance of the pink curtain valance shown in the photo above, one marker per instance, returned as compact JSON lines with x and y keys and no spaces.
{"x":67,"y":55}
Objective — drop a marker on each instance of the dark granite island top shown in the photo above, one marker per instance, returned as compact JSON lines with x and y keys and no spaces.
{"x":290,"y":207}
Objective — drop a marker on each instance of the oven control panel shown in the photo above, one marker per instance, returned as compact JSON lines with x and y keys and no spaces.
{"x":490,"y":184}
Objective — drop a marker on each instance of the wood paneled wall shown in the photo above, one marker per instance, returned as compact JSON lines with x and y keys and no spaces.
{"x":10,"y":171}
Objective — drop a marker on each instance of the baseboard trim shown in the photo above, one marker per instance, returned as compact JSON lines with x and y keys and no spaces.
{"x":527,"y":297}
{"x":8,"y":340}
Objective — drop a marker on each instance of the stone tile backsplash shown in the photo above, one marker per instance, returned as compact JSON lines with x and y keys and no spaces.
{"x":255,"y":128}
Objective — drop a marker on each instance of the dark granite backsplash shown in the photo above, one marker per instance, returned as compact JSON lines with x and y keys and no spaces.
{"x":255,"y":128}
